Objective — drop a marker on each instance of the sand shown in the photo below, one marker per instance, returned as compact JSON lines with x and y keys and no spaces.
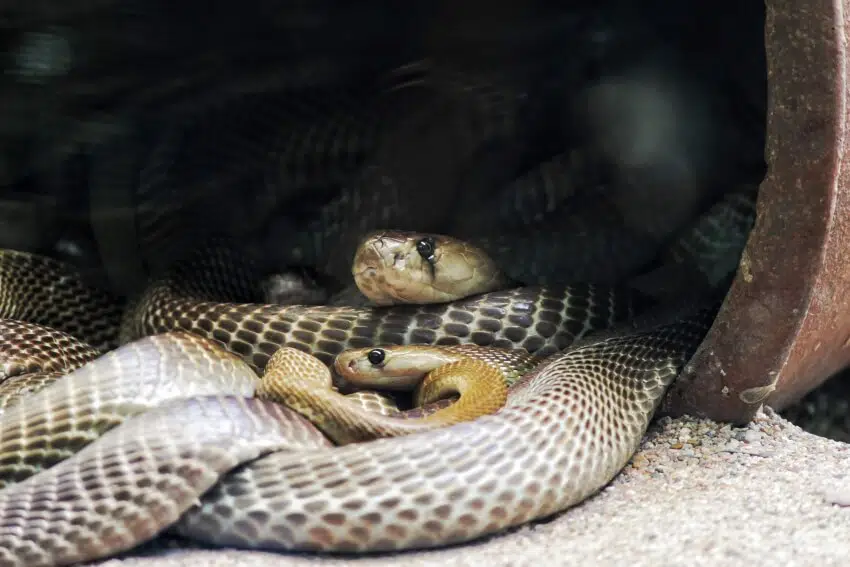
{"x":697,"y":493}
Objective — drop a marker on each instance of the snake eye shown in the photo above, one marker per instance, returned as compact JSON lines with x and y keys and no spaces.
{"x":425,"y":247}
{"x":376,"y":356}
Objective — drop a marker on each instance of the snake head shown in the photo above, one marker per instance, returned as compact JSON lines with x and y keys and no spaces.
{"x":400,"y":368}
{"x":411,"y":267}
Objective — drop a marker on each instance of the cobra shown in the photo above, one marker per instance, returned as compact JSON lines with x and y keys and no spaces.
{"x":567,"y":427}
{"x":172,"y":430}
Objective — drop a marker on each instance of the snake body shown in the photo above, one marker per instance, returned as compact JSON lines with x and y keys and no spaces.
{"x":566,"y":428}
{"x":559,"y":439}
{"x":386,"y":494}
{"x":59,"y":420}
{"x":572,"y":423}
{"x":541,"y":320}
{"x":69,"y":513}
{"x":94,"y":468}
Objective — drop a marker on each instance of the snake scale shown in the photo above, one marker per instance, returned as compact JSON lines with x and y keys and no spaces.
{"x":93,"y":469}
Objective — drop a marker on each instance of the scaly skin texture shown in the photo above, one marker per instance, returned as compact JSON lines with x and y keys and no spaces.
{"x":14,"y":389}
{"x":567,"y":428}
{"x":39,"y":290}
{"x":566,"y":431}
{"x":158,"y":464}
{"x":32,"y":349}
{"x":542,"y":321}
{"x":61,"y":419}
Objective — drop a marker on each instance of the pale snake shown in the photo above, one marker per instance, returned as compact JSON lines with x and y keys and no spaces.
{"x":566,"y":430}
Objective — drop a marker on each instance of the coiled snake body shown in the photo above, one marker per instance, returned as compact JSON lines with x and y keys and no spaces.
{"x":567,"y":429}
{"x":93,"y":468}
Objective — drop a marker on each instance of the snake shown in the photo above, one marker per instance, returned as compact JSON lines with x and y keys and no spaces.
{"x":162,"y":422}
{"x":167,"y":432}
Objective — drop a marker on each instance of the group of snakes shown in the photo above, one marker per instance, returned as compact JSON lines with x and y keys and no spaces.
{"x":458,"y":385}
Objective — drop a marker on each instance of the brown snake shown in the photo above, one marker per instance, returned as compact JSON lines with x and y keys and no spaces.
{"x":169,"y":431}
{"x":266,"y":479}
{"x":92,"y":470}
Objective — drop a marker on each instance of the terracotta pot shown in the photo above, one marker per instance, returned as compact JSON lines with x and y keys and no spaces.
{"x":785,"y":324}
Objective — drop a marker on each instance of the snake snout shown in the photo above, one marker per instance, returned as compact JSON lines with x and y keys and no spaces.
{"x":370,"y":258}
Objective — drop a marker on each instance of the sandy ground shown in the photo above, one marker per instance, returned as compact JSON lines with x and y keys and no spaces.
{"x":698,"y":493}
